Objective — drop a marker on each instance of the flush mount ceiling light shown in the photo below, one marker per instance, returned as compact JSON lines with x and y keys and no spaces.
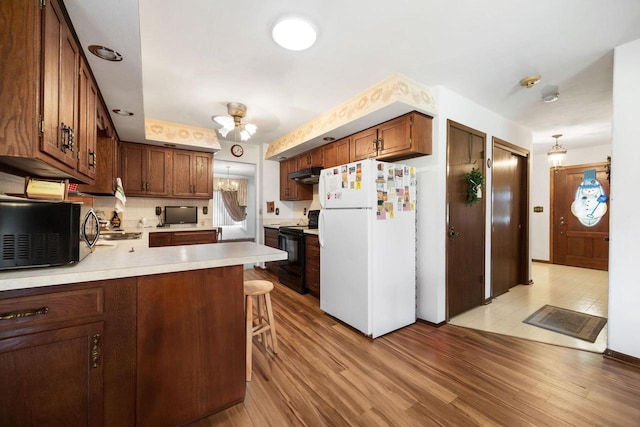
{"x":530,"y":81}
{"x":556,"y":154}
{"x":552,"y":97}
{"x":122,"y":112}
{"x":105,"y":53}
{"x":233,"y":121}
{"x":294,"y":33}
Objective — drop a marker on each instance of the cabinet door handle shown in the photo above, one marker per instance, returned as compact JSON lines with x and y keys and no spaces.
{"x":66,"y":137}
{"x":92,"y":162}
{"x":96,"y":351}
{"x":10,"y":315}
{"x":374,"y":147}
{"x":380,"y":144}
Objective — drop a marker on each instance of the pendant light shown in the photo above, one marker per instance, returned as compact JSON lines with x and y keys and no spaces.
{"x":557,"y":154}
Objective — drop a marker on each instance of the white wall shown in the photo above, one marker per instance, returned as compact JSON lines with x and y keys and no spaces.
{"x":431,"y":208}
{"x":539,"y":192}
{"x":624,"y":287}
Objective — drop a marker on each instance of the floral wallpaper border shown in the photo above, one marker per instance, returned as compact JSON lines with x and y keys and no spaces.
{"x":394,"y":89}
{"x":177,"y":133}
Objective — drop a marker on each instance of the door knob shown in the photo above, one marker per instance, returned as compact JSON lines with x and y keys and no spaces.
{"x":453,"y":233}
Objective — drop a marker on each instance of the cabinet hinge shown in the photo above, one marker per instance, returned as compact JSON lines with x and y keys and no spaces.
{"x":40,"y":125}
{"x":410,"y":120}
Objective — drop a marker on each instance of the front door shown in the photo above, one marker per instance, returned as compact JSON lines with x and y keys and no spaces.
{"x":580,"y":216}
{"x":509,"y":230}
{"x":465,"y":220}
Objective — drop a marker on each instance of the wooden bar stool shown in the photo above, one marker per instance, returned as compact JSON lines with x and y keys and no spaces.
{"x":260,"y":322}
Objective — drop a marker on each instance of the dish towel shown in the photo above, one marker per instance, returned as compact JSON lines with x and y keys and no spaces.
{"x":121,"y":199}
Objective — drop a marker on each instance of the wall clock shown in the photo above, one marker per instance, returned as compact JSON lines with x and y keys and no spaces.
{"x":237,"y":150}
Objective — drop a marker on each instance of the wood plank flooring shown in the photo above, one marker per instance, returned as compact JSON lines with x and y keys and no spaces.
{"x":327,"y":374}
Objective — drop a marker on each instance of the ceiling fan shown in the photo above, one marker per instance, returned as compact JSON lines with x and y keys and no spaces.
{"x":237,"y":111}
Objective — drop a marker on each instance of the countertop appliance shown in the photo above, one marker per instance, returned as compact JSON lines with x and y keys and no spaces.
{"x":367,"y":245}
{"x":42,"y":233}
{"x":291,"y":240}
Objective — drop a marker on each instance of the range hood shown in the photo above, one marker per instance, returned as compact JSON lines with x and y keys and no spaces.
{"x":307,"y":176}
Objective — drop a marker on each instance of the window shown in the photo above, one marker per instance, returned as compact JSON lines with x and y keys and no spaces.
{"x":220,"y":215}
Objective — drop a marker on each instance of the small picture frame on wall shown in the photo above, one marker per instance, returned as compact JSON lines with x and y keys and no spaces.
{"x":270,"y":207}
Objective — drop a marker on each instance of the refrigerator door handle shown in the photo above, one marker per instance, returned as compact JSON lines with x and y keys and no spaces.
{"x":321,"y":228}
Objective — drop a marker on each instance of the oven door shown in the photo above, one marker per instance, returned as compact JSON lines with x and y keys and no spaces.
{"x":291,"y":272}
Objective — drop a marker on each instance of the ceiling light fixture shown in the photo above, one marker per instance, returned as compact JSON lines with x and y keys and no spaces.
{"x":530,"y":81}
{"x":294,"y":33}
{"x":233,"y":121}
{"x":552,"y":97}
{"x":121,"y":112}
{"x":556,"y":154}
{"x":105,"y":53}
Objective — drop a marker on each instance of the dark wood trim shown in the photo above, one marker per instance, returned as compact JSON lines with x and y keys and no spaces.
{"x":435,"y":325}
{"x":543,"y":261}
{"x":487,"y":301}
{"x":621,"y":357}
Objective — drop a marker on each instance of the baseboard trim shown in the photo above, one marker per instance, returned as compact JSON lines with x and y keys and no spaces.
{"x":435,"y":325}
{"x":621,"y":357}
{"x":543,"y":261}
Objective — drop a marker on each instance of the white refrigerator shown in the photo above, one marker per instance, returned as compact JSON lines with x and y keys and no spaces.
{"x":367,"y":245}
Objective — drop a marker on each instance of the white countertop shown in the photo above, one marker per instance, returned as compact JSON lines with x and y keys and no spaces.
{"x":117,"y":261}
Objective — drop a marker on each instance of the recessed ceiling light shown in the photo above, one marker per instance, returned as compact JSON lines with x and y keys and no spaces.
{"x":122,"y":112}
{"x":328,"y":139}
{"x":294,"y":33}
{"x":105,"y":53}
{"x":553,"y":97}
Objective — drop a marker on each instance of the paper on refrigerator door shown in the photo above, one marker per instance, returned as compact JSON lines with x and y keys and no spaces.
{"x":395,"y":189}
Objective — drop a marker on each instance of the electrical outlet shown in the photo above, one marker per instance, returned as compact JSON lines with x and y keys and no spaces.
{"x":158,"y":210}
{"x":205,"y":210}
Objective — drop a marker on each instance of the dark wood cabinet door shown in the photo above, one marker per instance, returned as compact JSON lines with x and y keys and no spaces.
{"x":364,"y":145}
{"x":202,"y":175}
{"x":87,"y":113}
{"x":191,"y":347}
{"x":342,"y":151}
{"x":394,"y":136}
{"x":158,"y":170}
{"x":133,"y":169}
{"x":53,"y":378}
{"x":330,"y":155}
{"x":106,"y":160}
{"x":271,"y":240}
{"x":60,"y":86}
{"x":311,"y":158}
{"x":312,"y":264}
{"x":182,"y":174}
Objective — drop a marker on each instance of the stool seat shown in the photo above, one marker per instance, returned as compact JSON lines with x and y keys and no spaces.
{"x":259,"y":323}
{"x":257,"y":287}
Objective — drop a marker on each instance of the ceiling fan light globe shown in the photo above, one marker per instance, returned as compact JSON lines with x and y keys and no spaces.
{"x":251,"y":128}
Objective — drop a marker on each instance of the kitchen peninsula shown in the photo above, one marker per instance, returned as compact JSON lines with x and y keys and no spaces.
{"x":131,"y":335}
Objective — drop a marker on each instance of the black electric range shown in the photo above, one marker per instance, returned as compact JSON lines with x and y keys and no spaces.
{"x":291,"y":240}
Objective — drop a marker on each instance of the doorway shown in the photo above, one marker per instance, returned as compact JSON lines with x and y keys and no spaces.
{"x":233,"y":171}
{"x":465,"y":220}
{"x":580,"y":216}
{"x":510,"y":219}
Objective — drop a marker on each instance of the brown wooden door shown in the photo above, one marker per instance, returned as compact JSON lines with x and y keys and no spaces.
{"x":87,"y":128}
{"x":573,"y":242}
{"x":509,"y":230}
{"x":466,"y":223}
{"x":202,"y":175}
{"x":158,"y":170}
{"x":182,"y":174}
{"x":342,"y":151}
{"x":49,"y":378}
{"x":133,"y":169}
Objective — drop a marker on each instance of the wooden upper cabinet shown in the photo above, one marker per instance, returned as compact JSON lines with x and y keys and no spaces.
{"x":60,"y":57}
{"x":107,"y":161}
{"x":145,"y":169}
{"x":87,"y":128}
{"x":311,"y":158}
{"x":336,"y":153}
{"x":401,"y":138}
{"x":192,"y":174}
{"x":290,"y":189}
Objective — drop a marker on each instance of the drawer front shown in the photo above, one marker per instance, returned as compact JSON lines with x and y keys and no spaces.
{"x":194,"y":237}
{"x":52,"y":307}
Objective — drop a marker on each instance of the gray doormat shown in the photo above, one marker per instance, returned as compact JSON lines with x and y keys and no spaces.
{"x":568,"y":322}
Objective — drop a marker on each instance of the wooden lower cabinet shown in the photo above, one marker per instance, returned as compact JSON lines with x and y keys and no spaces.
{"x":271,"y":240}
{"x":178,"y":238}
{"x":153,"y":350}
{"x":312,"y":264}
{"x":191,"y":351}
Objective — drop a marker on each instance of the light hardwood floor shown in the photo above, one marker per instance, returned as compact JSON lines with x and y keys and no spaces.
{"x":327,"y":374}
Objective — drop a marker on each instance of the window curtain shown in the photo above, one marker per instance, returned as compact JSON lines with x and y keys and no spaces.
{"x":234,"y":196}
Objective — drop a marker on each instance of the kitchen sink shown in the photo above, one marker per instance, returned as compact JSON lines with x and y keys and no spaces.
{"x":120,"y":235}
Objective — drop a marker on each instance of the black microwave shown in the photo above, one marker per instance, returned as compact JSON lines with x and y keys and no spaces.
{"x":44,"y":234}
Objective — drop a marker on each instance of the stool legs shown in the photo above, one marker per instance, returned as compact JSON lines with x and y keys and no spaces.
{"x":249,"y":332}
{"x":262,"y":324}
{"x":272,"y":324}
